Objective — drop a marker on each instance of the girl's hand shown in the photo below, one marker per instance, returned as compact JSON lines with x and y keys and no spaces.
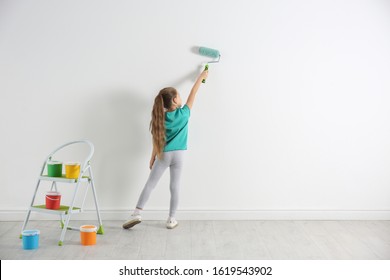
{"x":204,"y":75}
{"x":152,"y":160}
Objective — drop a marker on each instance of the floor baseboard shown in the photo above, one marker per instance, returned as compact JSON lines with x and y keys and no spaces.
{"x":19,"y":215}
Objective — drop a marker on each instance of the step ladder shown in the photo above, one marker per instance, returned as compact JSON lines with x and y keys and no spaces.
{"x":66,"y":211}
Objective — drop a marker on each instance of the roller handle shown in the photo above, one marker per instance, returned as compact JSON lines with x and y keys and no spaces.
{"x":205,"y":68}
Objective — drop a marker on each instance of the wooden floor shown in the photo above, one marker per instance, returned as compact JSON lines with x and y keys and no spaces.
{"x":270,"y":240}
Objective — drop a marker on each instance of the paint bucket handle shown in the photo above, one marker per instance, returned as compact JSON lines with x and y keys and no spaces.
{"x":48,"y":197}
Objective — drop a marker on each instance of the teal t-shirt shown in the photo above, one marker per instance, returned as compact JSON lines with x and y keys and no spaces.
{"x":176,"y":129}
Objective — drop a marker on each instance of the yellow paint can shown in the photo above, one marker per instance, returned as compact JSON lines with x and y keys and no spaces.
{"x":72,"y":170}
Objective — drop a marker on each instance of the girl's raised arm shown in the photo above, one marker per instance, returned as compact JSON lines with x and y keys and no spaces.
{"x":194,"y":90}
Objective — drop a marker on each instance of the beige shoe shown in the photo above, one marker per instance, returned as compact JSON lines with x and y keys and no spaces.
{"x":172,"y":223}
{"x":134,"y":220}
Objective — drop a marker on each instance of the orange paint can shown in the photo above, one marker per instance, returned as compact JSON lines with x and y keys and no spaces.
{"x":88,"y":235}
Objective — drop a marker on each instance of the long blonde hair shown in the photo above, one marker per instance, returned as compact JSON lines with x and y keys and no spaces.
{"x":157,"y":124}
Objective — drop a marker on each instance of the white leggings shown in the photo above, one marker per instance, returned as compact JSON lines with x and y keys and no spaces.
{"x":173,"y":160}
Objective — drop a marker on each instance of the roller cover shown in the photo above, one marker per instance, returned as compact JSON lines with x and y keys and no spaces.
{"x":209,"y":52}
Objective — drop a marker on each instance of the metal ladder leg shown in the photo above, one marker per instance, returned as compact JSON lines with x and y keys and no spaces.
{"x":25,"y":222}
{"x":67,"y":219}
{"x":100,"y":230}
{"x":29,"y":210}
{"x":68,"y":215}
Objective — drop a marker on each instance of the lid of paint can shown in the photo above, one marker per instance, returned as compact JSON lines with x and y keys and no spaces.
{"x":53,"y":193}
{"x":72,"y":163}
{"x":53,"y":162}
{"x":30,"y":232}
{"x":88,"y":228}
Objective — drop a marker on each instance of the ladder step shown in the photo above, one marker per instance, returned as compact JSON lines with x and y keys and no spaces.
{"x":61,"y":211}
{"x":63,"y":179}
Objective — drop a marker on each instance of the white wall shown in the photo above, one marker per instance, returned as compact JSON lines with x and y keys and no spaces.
{"x":292,"y":123}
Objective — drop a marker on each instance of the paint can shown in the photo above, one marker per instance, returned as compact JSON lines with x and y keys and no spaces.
{"x":72,"y":170}
{"x":53,"y":200}
{"x":30,"y":239}
{"x":54,"y":168}
{"x":88,"y":235}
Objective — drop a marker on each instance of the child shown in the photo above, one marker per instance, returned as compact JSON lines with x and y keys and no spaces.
{"x":169,"y":126}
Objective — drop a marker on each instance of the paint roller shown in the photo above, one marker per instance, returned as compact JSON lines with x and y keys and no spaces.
{"x":210,"y":53}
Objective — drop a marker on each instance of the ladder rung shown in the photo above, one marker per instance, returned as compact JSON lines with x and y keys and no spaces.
{"x":63,"y":179}
{"x":63,"y":210}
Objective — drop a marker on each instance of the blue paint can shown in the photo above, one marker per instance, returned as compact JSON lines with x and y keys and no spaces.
{"x":30,"y":239}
